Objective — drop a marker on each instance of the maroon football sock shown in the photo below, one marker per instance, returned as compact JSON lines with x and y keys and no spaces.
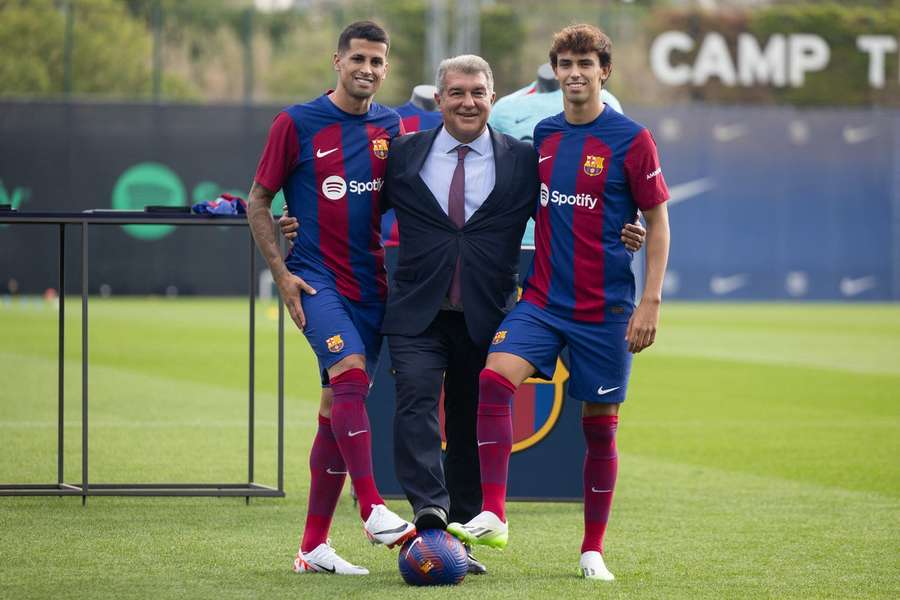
{"x":495,"y":431}
{"x":327,"y":474}
{"x":601,"y":463}
{"x":350,"y":424}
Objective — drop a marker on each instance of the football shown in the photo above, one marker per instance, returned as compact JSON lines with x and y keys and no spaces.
{"x":433,"y":557}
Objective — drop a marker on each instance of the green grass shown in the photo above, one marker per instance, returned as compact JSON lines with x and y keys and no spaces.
{"x":759,"y":458}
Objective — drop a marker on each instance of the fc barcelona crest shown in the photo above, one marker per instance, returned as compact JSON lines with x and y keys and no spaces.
{"x":593,"y":165}
{"x":380,"y":148}
{"x":335,"y":343}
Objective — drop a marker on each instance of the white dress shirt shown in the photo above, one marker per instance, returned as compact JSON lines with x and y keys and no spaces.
{"x":437,"y":171}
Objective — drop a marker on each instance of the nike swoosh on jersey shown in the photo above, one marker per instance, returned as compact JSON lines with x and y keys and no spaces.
{"x":330,"y":472}
{"x":356,"y":433}
{"x":485,"y":443}
{"x":320,"y":154}
{"x":602,"y":392}
{"x":543,"y":158}
{"x":596,"y":491}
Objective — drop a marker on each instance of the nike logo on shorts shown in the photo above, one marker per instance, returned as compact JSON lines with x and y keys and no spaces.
{"x":330,"y":472}
{"x":602,"y":392}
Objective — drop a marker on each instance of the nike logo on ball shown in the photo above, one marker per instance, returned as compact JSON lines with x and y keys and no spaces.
{"x":602,"y":392}
{"x":414,"y":542}
{"x":320,"y":154}
{"x":355,"y":433}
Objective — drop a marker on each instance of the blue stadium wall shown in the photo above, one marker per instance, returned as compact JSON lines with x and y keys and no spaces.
{"x":768,"y":203}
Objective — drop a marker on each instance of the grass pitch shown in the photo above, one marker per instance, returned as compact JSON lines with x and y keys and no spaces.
{"x":759,"y":458}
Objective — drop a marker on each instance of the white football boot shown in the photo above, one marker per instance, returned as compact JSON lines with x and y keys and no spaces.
{"x":323,"y":559}
{"x":485,"y":529}
{"x":384,"y":527}
{"x":593,"y":567}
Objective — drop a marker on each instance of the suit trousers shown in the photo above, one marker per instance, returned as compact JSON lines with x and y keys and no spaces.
{"x":443,"y":356}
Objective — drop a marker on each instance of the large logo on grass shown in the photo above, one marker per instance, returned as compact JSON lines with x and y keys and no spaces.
{"x":536,"y":408}
{"x":144,"y":184}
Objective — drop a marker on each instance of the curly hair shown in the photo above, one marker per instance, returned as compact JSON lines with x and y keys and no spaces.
{"x":582,"y":39}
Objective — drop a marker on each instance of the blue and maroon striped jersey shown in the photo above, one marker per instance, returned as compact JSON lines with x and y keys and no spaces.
{"x":331,"y":165}
{"x":416,"y":119}
{"x":594,"y":177}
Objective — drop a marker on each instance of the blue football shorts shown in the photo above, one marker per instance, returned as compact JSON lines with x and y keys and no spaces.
{"x":337,"y":327}
{"x":599,"y":361}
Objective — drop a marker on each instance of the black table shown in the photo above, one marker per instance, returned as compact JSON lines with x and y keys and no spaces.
{"x":86,"y":488}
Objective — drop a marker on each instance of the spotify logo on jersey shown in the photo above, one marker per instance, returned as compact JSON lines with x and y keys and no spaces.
{"x":545,"y":194}
{"x":334,"y":187}
{"x":556,"y":197}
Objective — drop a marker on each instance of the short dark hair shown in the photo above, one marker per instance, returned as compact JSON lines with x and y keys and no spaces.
{"x":582,"y":39}
{"x":362,"y":30}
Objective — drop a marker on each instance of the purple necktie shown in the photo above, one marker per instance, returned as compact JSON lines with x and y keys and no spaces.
{"x":456,"y":210}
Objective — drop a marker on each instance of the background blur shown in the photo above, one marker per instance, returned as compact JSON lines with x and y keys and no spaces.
{"x":777,"y":122}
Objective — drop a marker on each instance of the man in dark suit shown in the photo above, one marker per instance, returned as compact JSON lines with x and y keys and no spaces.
{"x":462,"y":194}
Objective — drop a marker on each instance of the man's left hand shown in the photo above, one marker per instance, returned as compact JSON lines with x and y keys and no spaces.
{"x":641,"y":331}
{"x":633,"y":235}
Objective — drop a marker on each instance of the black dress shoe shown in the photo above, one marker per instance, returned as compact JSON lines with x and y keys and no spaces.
{"x":475,"y":566}
{"x":430,"y":517}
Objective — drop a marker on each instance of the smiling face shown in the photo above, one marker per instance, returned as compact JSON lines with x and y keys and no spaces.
{"x":580,"y":76}
{"x":465,"y":104}
{"x":361,"y":68}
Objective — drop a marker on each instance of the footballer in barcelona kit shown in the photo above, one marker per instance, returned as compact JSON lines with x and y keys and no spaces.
{"x":329,"y":157}
{"x":580,"y":289}
{"x":331,"y":166}
{"x":596,"y":168}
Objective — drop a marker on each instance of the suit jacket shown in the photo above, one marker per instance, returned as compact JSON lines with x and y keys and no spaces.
{"x":488,"y":244}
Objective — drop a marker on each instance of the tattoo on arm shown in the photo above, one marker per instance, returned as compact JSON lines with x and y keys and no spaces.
{"x":259,"y":215}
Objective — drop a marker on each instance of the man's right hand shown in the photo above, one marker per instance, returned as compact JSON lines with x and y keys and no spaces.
{"x":290,"y":287}
{"x":288,"y":225}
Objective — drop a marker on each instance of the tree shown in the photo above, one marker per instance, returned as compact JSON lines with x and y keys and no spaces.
{"x":110,"y":49}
